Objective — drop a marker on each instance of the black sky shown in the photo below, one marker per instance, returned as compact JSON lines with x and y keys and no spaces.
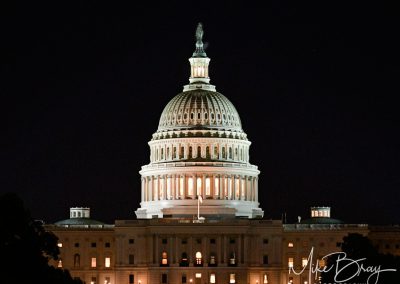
{"x":315,"y":87}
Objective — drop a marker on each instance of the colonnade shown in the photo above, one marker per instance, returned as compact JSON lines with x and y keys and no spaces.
{"x":189,"y":186}
{"x":226,"y":151}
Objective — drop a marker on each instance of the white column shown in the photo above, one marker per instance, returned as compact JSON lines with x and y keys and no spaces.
{"x":142,"y":190}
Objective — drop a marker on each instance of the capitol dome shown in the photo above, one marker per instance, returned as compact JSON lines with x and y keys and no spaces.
{"x":199,"y":152}
{"x":199,"y":110}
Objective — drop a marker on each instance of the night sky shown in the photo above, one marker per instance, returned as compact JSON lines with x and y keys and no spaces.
{"x":316,"y":89}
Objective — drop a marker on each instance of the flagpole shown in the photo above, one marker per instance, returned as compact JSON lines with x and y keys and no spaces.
{"x":198,"y":207}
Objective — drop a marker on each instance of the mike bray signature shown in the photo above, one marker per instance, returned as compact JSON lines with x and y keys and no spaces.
{"x":352,"y":267}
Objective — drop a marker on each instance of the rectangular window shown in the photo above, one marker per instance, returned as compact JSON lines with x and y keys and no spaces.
{"x":93,"y":280}
{"x":164,"y":278}
{"x":181,"y":185}
{"x":198,"y":275}
{"x":107,"y":262}
{"x":208,"y":187}
{"x":93,"y":245}
{"x":94,"y":262}
{"x":265,"y":278}
{"x":190,"y":186}
{"x":212,"y":278}
{"x":232,"y":278}
{"x":131,"y":259}
{"x":184,"y":279}
{"x":265,"y":259}
{"x":304,"y":261}
{"x":76,"y":245}
{"x":216,"y":186}
{"x":265,"y":241}
{"x":212,"y":241}
{"x":290,"y":262}
{"x":131,"y":278}
{"x":164,"y":241}
{"x":131,"y":241}
{"x":107,"y":245}
{"x":232,"y":240}
{"x":107,"y":280}
{"x":322,"y":263}
{"x":199,"y":186}
{"x":290,"y":245}
{"x":184,"y":241}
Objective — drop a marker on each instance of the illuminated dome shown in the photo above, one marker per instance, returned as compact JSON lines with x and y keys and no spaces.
{"x":200,"y":109}
{"x":199,"y":154}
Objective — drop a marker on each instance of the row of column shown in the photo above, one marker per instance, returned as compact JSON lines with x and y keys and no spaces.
{"x":176,"y":187}
{"x":176,"y":152}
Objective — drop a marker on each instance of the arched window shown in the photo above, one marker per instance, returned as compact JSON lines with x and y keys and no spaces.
{"x":190,"y":152}
{"x":208,"y":156}
{"x":199,"y":259}
{"x":223,"y":153}
{"x":198,"y":152}
{"x":230,"y":153}
{"x":162,"y":153}
{"x":77,"y":260}
{"x":164,"y":259}
{"x":184,"y":260}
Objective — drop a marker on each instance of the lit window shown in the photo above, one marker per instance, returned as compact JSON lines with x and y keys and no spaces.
{"x":107,"y":262}
{"x":290,"y":262}
{"x":212,"y":278}
{"x":199,"y":184}
{"x":322,"y":263}
{"x":164,"y":258}
{"x":199,"y":260}
{"x":304,"y":261}
{"x":198,"y":275}
{"x":190,"y":186}
{"x":181,"y":185}
{"x":59,"y":263}
{"x":265,"y":279}
{"x":212,"y":259}
{"x":232,"y":278}
{"x":216,"y":186}
{"x":208,"y":187}
{"x":59,"y":245}
{"x":290,"y":245}
{"x":94,"y":260}
{"x":93,"y":281}
{"x":232,"y":259}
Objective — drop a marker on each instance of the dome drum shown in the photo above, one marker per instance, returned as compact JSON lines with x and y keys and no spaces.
{"x":199,"y":149}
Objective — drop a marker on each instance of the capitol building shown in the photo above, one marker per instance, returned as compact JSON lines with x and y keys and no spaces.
{"x":200,"y":219}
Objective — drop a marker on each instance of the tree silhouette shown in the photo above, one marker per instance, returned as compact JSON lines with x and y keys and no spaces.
{"x":359,"y":247}
{"x":26,"y":247}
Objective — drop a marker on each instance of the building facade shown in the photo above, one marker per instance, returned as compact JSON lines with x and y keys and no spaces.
{"x":199,"y":219}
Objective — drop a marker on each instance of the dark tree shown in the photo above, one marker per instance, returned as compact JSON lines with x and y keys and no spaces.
{"x":26,"y":247}
{"x":359,"y":247}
